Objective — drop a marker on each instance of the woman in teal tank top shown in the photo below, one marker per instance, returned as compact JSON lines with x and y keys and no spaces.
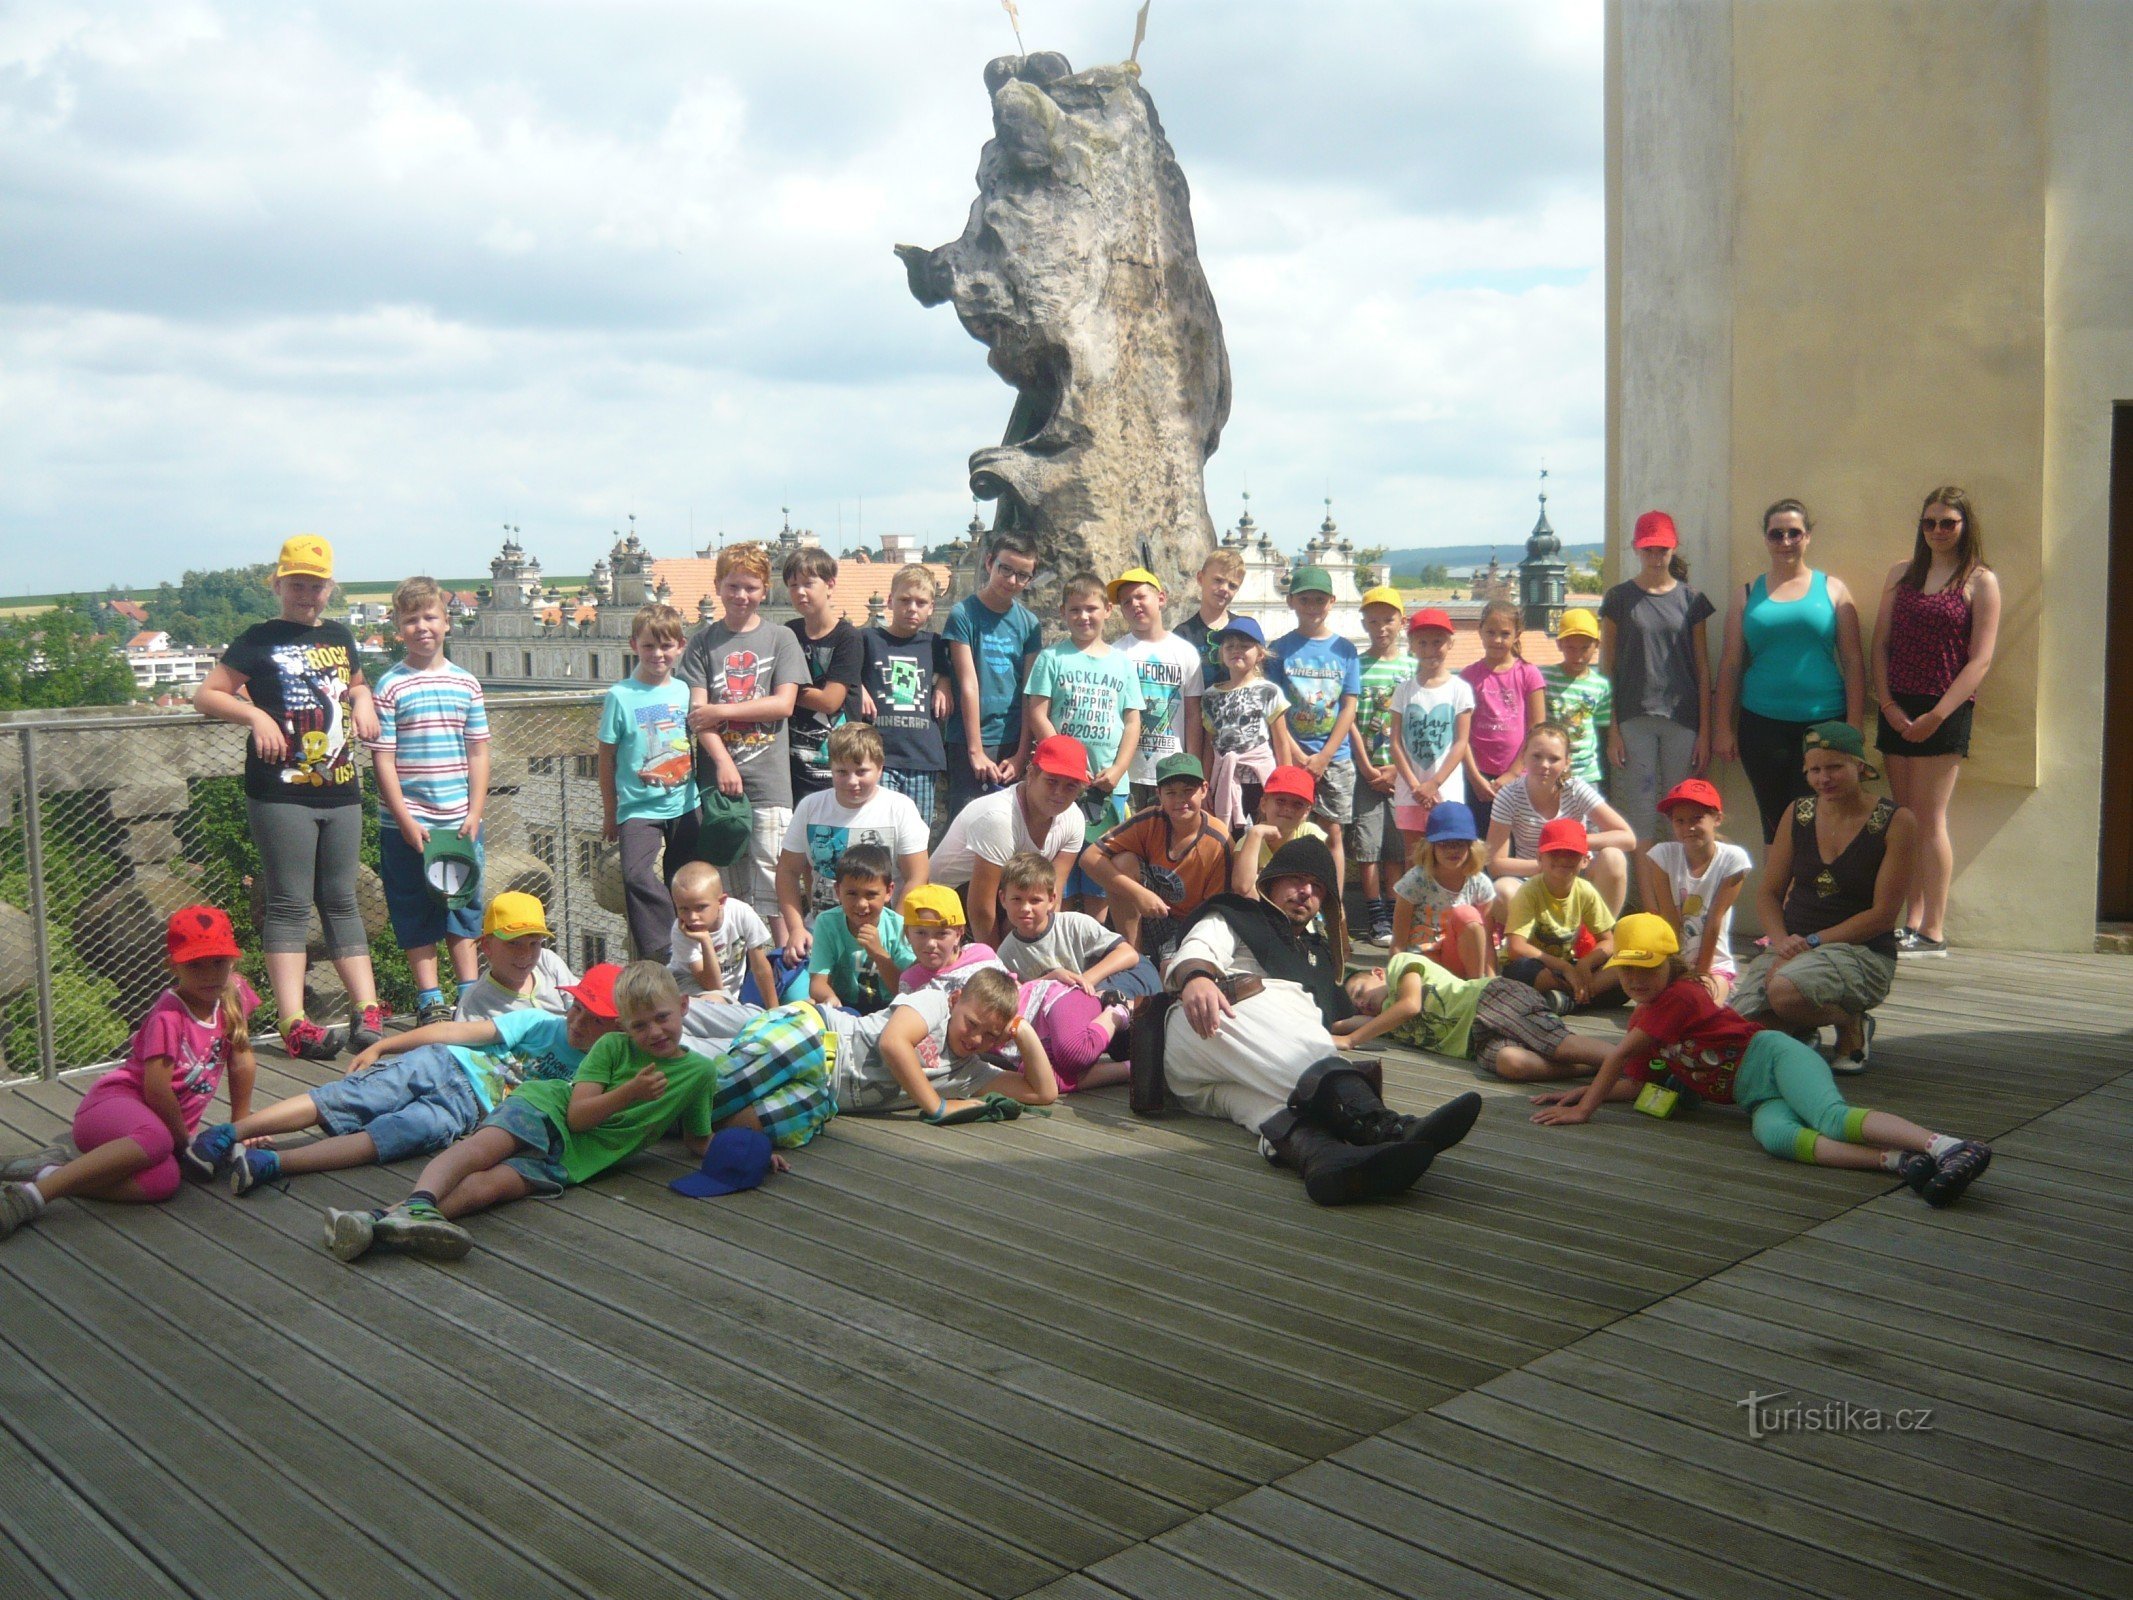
{"x":1792,"y":659}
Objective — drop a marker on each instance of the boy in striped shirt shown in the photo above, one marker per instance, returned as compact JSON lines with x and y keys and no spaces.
{"x":431,"y":757}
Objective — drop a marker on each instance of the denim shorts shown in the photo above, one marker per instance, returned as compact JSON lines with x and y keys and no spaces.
{"x":410,"y":1104}
{"x":417,"y":918}
{"x":540,"y":1146}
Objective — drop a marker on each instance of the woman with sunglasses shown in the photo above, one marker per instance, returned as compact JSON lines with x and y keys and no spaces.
{"x":1792,"y":659}
{"x":1933,"y":644}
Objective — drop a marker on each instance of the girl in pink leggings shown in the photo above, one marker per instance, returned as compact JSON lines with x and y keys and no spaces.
{"x":134,"y":1129}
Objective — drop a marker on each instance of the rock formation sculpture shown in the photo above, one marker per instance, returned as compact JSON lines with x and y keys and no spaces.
{"x":1078,"y":270}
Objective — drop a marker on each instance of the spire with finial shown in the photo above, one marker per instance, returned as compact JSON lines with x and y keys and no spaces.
{"x":706,"y":608}
{"x":1543,"y":545}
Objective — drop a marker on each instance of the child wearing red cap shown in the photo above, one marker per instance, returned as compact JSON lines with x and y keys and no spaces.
{"x":446,"y":1077}
{"x":1284,"y":814}
{"x":1557,"y":932}
{"x":134,"y":1125}
{"x":1693,"y":879}
{"x":1653,"y":649}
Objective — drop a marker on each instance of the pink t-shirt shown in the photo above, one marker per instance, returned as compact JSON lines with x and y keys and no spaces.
{"x":1500,"y":712}
{"x":969,"y":961}
{"x":199,"y":1052}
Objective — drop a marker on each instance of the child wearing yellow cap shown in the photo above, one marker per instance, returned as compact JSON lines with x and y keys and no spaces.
{"x":522,"y":972}
{"x":935,"y":926}
{"x":1169,"y":669}
{"x":1579,"y":695}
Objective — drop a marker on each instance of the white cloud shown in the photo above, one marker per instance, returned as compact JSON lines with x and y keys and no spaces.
{"x":402,"y":272}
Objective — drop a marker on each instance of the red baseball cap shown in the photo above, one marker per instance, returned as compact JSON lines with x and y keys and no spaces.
{"x":1292,"y":781}
{"x":1692,"y":791}
{"x":199,"y":933}
{"x":1429,"y":617}
{"x":1655,"y":528}
{"x":1063,"y":756}
{"x":596,"y":990}
{"x":1565,"y":833}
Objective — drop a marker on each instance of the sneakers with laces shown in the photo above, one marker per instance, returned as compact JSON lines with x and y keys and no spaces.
{"x":210,"y":1153}
{"x":435,"y":1011}
{"x":252,"y":1168}
{"x":1955,"y":1172}
{"x":18,"y":1204}
{"x":349,"y":1234}
{"x":24,"y":1169}
{"x":307,"y":1041}
{"x":1381,"y":923}
{"x":369,"y":1028}
{"x":1912,"y":945}
{"x":420,"y":1229}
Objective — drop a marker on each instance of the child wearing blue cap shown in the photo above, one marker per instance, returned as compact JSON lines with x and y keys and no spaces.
{"x":1246,"y":718}
{"x":1441,"y":907}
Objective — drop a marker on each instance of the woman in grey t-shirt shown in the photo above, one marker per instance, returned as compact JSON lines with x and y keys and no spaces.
{"x":1652,"y":648}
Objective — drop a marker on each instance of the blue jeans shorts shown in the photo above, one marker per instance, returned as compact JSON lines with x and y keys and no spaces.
{"x":418,"y":920}
{"x":410,"y":1105}
{"x":540,"y":1147}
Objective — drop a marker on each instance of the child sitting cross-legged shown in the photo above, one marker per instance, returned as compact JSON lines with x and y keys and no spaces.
{"x":1680,"y":1040}
{"x":719,"y":946}
{"x":1504,"y":1025}
{"x":859,"y":951}
{"x":1556,"y":931}
{"x":629,"y":1090}
{"x":443,"y":1079}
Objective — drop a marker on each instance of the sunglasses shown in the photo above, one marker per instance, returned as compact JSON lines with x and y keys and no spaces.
{"x":1940,"y":524}
{"x":1784,"y":535}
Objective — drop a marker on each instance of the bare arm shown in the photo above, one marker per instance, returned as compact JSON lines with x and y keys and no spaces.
{"x":1700,"y":648}
{"x":610,"y":828}
{"x":1725,"y":740}
{"x":1404,"y":1007}
{"x":766,"y":981}
{"x":477,"y":788}
{"x":385,"y":767}
{"x":1776,"y":879}
{"x":1129,"y":744}
{"x":1121,"y":957}
{"x":1984,"y":641}
{"x":591,"y":1105}
{"x":1503,"y":864}
{"x":162,"y":1098}
{"x":1851,"y":659}
{"x":1611,"y":829}
{"x":218,"y":697}
{"x":1714,"y":918}
{"x":794,"y":875}
{"x":965,"y":669}
{"x":1036,"y":1084}
{"x":1567,"y":1107}
{"x":460,"y":1033}
{"x":244,"y":1073}
{"x":1878,"y":679}
{"x":983,"y":899}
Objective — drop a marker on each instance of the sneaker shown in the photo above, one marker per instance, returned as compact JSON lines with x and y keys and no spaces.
{"x":252,"y":1168}
{"x":1916,"y":1169}
{"x":349,"y":1234}
{"x":1955,"y":1172}
{"x":210,"y":1153}
{"x":1561,"y":1001}
{"x":369,"y":1028}
{"x":1916,"y":946}
{"x":1381,"y":923}
{"x":1855,"y":1062}
{"x":435,"y":1011}
{"x":421,"y":1229}
{"x":17,"y":1206}
{"x":307,"y":1041}
{"x":24,"y":1169}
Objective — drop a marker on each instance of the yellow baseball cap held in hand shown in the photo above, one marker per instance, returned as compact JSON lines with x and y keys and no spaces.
{"x":1643,"y":940}
{"x":305,"y":555}
{"x":513,"y":915}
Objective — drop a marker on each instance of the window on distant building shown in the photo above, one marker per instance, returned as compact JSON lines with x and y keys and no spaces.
{"x":525,"y":658}
{"x":592,"y":950}
{"x":540,"y":764}
{"x":543,"y":847}
{"x":488,"y":663}
{"x":585,"y":766}
{"x":592,"y":664}
{"x":588,"y":852}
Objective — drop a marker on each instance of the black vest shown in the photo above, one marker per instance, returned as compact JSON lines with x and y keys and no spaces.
{"x":1282,"y":949}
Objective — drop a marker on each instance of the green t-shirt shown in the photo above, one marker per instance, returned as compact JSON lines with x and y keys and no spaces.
{"x":1553,"y":924}
{"x":691,"y":1081}
{"x":1584,"y":705}
{"x":1373,"y":708}
{"x":1448,"y":1005}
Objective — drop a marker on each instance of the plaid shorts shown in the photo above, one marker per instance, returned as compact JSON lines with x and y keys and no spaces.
{"x":779,"y":1066}
{"x":923,"y":788}
{"x":540,"y":1146}
{"x":1511,"y":1012}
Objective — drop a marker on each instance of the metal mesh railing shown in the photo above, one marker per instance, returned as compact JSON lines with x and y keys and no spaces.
{"x":111,"y":821}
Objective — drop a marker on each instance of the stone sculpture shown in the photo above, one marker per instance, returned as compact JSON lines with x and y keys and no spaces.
{"x":1078,"y":270}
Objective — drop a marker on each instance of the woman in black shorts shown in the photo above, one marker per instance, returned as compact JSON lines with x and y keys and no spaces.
{"x":1933,"y":644}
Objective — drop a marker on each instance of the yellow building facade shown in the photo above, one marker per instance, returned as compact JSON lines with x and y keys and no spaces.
{"x":1859,"y":248}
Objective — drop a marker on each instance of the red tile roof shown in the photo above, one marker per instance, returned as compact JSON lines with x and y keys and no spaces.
{"x":690,"y":578}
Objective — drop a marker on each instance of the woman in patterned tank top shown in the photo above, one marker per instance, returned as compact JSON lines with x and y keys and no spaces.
{"x":1933,"y":645}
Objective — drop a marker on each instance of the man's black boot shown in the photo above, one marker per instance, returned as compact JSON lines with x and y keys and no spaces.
{"x":1338,"y":1174}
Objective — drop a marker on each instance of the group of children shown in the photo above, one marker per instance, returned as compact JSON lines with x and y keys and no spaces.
{"x":829,"y":974}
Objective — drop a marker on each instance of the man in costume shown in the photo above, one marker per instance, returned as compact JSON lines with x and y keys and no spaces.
{"x":1241,"y":1033}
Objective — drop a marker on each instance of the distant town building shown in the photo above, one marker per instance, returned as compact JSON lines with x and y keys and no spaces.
{"x":157,"y":664}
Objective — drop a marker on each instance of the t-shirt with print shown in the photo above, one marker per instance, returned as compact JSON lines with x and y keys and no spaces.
{"x":998,"y":642}
{"x":1198,"y":632}
{"x":1237,"y":714}
{"x":1553,"y":924}
{"x":823,"y":828}
{"x":899,"y":673}
{"x":836,"y":657}
{"x":1428,"y":716}
{"x":1090,"y":693}
{"x":740,"y":930}
{"x":1584,"y":705}
{"x":301,"y":677}
{"x":1499,"y":728}
{"x":863,"y":1081}
{"x":1071,"y":942}
{"x":485,"y":999}
{"x":648,"y":724}
{"x":1695,"y":893}
{"x":530,"y":1046}
{"x":199,"y":1052}
{"x":1699,"y":1041}
{"x":993,"y":828}
{"x":1381,"y":676}
{"x":692,"y":1080}
{"x":1445,"y":1023}
{"x":1419,"y":888}
{"x":1316,"y":674}
{"x":1514,"y":807}
{"x":1169,"y":669}
{"x":851,"y":971}
{"x":733,"y":667}
{"x":427,"y":717}
{"x":1182,"y":881}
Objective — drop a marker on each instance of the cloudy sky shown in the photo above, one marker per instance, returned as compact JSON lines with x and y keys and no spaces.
{"x":401,"y":273}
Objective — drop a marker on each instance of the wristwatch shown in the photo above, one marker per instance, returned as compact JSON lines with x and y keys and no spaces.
{"x":1814,"y":941}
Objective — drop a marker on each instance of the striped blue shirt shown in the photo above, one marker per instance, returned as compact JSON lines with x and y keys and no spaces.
{"x":427,"y":719}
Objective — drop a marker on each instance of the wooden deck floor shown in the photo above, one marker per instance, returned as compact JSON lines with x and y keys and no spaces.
{"x":1089,"y":1357}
